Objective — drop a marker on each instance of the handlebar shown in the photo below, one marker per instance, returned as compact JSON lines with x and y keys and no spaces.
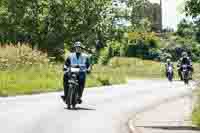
{"x":76,"y":69}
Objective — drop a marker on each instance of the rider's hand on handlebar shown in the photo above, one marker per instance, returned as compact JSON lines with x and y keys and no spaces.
{"x":88,"y":70}
{"x":76,"y":66}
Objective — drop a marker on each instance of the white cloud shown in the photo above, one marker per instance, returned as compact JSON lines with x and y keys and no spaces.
{"x":155,"y":1}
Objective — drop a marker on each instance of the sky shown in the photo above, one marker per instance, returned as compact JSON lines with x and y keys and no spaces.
{"x":172,"y":12}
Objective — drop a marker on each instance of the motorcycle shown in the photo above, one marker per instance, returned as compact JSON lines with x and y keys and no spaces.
{"x":170,"y":73}
{"x":185,"y":73}
{"x":73,"y":86}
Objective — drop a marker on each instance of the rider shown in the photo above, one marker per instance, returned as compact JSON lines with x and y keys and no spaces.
{"x":184,"y":60}
{"x":167,"y":64}
{"x":77,"y":58}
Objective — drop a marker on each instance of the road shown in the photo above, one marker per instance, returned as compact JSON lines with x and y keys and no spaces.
{"x":104,"y":109}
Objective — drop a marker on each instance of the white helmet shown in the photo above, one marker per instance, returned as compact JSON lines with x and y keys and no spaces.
{"x":184,"y":54}
{"x":168,"y":60}
{"x":77,"y":44}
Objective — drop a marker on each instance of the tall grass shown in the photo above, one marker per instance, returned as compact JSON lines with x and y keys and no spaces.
{"x":120,"y":69}
{"x":137,"y":68}
{"x":20,"y":55}
{"x":26,"y":71}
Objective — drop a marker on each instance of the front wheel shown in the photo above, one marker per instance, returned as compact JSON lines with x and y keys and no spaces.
{"x":170,"y":76}
{"x":186,"y":81}
{"x":69,"y":106}
{"x":74,"y":99}
{"x":186,"y":77}
{"x":74,"y":106}
{"x":70,"y":96}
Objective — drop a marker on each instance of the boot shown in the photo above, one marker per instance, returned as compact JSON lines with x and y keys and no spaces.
{"x":63,"y":98}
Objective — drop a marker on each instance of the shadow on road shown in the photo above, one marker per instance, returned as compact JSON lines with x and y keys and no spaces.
{"x":191,"y":128}
{"x":81,"y":108}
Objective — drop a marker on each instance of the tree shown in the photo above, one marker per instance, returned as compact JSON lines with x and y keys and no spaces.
{"x":186,"y":29}
{"x":192,"y":8}
{"x":3,"y":20}
{"x":87,"y":20}
{"x":138,"y":10}
{"x":143,"y":9}
{"x":47,"y":24}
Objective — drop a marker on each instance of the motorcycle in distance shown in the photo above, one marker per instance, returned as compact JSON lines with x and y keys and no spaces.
{"x":170,"y":73}
{"x":185,"y":73}
{"x":73,"y":86}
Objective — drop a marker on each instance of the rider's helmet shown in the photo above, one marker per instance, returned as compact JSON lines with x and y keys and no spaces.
{"x":77,"y":46}
{"x":168,"y":60}
{"x":184,"y":55}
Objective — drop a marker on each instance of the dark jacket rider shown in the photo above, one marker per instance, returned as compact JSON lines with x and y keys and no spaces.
{"x":184,"y":60}
{"x":77,"y":58}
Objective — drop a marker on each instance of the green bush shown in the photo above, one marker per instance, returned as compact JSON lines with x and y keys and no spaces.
{"x":164,"y":55}
{"x":175,"y":45}
{"x":104,"y":56}
{"x":114,"y":48}
{"x":143,"y":45}
{"x":136,"y":44}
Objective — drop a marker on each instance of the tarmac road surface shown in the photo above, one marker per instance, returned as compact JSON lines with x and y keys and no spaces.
{"x":104,"y":109}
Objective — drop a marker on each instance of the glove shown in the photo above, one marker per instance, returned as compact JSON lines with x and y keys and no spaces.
{"x":88,"y":70}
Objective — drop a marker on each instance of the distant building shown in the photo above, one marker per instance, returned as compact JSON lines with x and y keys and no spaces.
{"x":156,"y":17}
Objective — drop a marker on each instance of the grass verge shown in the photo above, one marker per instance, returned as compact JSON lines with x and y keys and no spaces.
{"x":30,"y":79}
{"x":196,"y":110}
{"x":37,"y":77}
